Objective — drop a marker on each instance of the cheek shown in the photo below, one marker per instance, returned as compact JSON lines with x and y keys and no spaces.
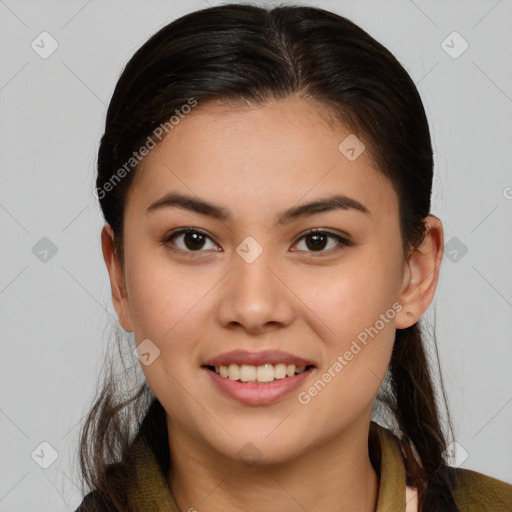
{"x":353,"y":297}
{"x":358,"y":303}
{"x":357,"y":359}
{"x":166,"y":307}
{"x":160,"y":294}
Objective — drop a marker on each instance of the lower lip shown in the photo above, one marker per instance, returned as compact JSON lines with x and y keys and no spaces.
{"x":254,"y":393}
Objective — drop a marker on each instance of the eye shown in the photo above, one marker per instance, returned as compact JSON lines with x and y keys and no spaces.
{"x":317,"y":240}
{"x":192,"y":240}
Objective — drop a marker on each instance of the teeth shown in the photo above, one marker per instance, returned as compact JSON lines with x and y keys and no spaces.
{"x":234,"y":372}
{"x":279,"y":371}
{"x":264,"y":373}
{"x":247,"y":373}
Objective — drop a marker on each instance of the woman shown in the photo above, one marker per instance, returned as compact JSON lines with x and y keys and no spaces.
{"x":265,"y":176}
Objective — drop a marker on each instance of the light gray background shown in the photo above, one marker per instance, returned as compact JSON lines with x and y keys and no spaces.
{"x":53,"y":314}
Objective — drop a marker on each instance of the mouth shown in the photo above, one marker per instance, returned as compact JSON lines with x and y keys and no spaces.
{"x":258,"y":378}
{"x":261,"y":374}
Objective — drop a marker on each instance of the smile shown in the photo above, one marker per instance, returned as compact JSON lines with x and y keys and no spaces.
{"x":264,"y":373}
{"x":271,"y":388}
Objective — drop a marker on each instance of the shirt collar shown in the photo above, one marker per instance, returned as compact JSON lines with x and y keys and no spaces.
{"x":153,"y":493}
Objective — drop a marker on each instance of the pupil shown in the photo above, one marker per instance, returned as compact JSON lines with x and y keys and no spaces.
{"x":197,"y":240}
{"x":318,"y":242}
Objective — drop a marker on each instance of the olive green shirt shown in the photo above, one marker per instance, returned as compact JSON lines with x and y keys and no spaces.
{"x":474,"y":491}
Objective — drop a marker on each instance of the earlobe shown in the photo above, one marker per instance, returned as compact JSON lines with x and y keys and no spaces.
{"x":421,"y":275}
{"x":116,"y":276}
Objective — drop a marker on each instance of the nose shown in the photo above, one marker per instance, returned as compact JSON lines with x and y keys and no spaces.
{"x":255,"y":296}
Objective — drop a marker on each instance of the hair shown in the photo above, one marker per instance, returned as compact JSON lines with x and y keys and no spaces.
{"x":247,"y":55}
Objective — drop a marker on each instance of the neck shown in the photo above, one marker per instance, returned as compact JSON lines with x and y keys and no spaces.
{"x":336,"y":476}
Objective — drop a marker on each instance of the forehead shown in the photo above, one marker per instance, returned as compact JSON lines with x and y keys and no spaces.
{"x":261,"y":158}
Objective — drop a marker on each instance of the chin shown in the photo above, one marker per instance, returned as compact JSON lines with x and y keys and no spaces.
{"x":259,"y":450}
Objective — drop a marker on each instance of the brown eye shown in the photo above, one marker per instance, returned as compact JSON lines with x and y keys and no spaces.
{"x":193,"y":241}
{"x":188,"y":240}
{"x":317,"y":241}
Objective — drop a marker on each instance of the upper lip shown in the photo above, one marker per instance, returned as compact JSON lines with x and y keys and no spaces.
{"x":257,"y":358}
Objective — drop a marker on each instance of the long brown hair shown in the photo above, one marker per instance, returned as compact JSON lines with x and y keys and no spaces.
{"x":246,"y":54}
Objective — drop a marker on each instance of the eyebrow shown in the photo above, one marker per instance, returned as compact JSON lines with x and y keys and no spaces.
{"x":194,"y":204}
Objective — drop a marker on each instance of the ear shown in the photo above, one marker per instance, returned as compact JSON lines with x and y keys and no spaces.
{"x":421,"y":274}
{"x":117,"y":284}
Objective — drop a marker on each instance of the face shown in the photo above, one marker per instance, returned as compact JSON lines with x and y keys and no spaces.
{"x":251,"y":286}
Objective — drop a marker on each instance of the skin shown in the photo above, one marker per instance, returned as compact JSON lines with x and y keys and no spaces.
{"x":256,"y":162}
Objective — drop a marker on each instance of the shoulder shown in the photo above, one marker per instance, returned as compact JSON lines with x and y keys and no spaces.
{"x":476,"y":492}
{"x":93,"y":502}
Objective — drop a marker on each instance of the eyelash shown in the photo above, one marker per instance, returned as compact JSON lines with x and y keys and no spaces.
{"x":344,"y":242}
